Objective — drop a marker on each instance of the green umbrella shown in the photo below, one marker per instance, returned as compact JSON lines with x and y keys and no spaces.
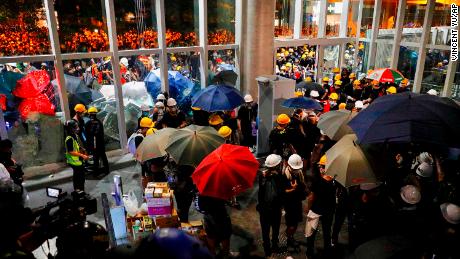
{"x":188,"y":146}
{"x":154,"y":145}
{"x":334,"y":123}
{"x":348,"y":164}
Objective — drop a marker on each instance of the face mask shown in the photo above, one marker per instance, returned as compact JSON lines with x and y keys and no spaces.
{"x":333,"y":103}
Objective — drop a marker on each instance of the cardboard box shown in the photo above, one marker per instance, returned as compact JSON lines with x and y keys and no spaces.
{"x":163,"y":185}
{"x":167,"y":221}
{"x":160,"y":211}
{"x":158,"y":193}
{"x":159,"y":202}
{"x":149,"y":192}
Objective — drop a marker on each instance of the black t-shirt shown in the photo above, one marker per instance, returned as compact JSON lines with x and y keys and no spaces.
{"x":278,"y":142}
{"x":173,"y":121}
{"x":324,"y":192}
{"x":246,"y":115}
{"x":200,"y":118}
{"x":271,"y":191}
{"x":94,"y":132}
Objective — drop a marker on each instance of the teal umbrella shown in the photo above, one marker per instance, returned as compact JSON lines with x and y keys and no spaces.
{"x":188,"y":146}
{"x":8,"y":81}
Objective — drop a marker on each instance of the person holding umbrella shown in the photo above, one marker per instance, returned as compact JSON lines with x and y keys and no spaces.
{"x":295,"y":193}
{"x":269,"y":204}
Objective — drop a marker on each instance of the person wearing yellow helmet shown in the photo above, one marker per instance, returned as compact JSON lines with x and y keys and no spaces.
{"x":94,"y":132}
{"x":215,"y":121}
{"x":403,"y":86}
{"x":80,"y":111}
{"x":150,"y":131}
{"x":226,"y":133}
{"x":279,"y":138}
{"x":337,"y":77}
{"x":391,"y":90}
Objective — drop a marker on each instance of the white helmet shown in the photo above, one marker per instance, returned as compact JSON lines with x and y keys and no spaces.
{"x":295,"y":161}
{"x":159,"y":105}
{"x":272,"y":160}
{"x":124,"y":62}
{"x":145,"y":108}
{"x":248,"y":98}
{"x":171,"y":102}
{"x":425,"y":157}
{"x":314,"y":93}
{"x":410,"y":194}
{"x":359,"y":104}
{"x":161,"y":97}
{"x":424,"y":170}
{"x":451,"y":213}
{"x":432,"y":92}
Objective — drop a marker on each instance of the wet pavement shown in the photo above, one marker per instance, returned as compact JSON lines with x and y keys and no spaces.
{"x":246,"y":236}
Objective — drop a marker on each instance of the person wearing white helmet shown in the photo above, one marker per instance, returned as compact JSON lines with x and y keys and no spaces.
{"x":145,"y":112}
{"x":271,"y":191}
{"x":246,"y":120}
{"x":295,"y":193}
{"x":445,"y":232}
{"x":158,"y":112}
{"x":173,"y":118}
{"x":358,"y":106}
{"x":410,"y":194}
{"x":124,"y":62}
{"x":161,"y":98}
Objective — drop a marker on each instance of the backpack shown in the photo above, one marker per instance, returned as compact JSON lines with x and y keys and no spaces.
{"x":132,"y":143}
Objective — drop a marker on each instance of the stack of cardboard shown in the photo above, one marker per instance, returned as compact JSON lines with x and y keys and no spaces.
{"x":160,"y":205}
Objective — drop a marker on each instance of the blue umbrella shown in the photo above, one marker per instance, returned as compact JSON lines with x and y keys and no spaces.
{"x":217,"y":98}
{"x":153,"y":83}
{"x":409,"y":117}
{"x":302,"y":103}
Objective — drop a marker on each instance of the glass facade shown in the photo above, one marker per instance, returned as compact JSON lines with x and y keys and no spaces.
{"x":296,"y":62}
{"x":310,"y":18}
{"x":434,"y":74}
{"x":352,"y":21}
{"x":349,"y":54}
{"x":221,"y":22}
{"x":366,"y":19}
{"x":407,"y":62}
{"x":22,"y":31}
{"x":333,"y":11}
{"x":284,"y":18}
{"x":363,"y":55}
{"x":383,"y":55}
{"x":182,"y":23}
{"x":220,"y":60}
{"x":388,"y":16}
{"x":413,"y":22}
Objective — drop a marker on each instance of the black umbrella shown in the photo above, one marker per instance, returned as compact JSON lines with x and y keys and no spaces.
{"x":227,"y":77}
{"x":409,"y":117}
{"x":386,"y":247}
{"x":310,"y":86}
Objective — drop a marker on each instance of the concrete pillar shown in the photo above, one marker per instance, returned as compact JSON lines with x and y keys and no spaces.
{"x":257,"y":49}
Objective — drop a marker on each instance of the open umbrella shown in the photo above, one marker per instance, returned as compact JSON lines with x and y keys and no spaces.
{"x":334,"y":123}
{"x":217,"y":98}
{"x":409,"y":117}
{"x":225,"y":172}
{"x":347,"y":162}
{"x":310,"y":86}
{"x":8,"y":81}
{"x":227,"y":77}
{"x":154,"y":145}
{"x":188,"y":146}
{"x":385,"y":247}
{"x":302,"y":103}
{"x":386,"y":75}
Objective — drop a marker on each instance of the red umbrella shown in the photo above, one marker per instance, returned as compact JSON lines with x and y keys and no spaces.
{"x":39,"y":104}
{"x":226,"y":171}
{"x":32,"y":84}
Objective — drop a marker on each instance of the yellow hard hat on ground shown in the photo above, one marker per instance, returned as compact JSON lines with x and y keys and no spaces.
{"x":225,"y":131}
{"x":146,"y":123}
{"x":79,"y":108}
{"x":334,"y":96}
{"x":326,"y":79}
{"x":391,"y":90}
{"x":215,"y":120}
{"x":283,"y":119}
{"x":322,"y":160}
{"x":92,"y":109}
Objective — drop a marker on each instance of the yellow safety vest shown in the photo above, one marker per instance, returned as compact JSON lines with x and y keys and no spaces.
{"x":72,"y":160}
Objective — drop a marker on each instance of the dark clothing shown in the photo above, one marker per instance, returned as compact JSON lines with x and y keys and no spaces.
{"x":248,"y":115}
{"x":183,"y":190}
{"x":270,"y":221}
{"x":297,"y":138}
{"x":217,"y":223}
{"x":293,"y":199}
{"x":81,"y":133}
{"x":278,"y":142}
{"x":200,"y":118}
{"x":78,"y":177}
{"x":94,"y":131}
{"x":172,"y":121}
{"x":324,"y":191}
{"x":184,"y":201}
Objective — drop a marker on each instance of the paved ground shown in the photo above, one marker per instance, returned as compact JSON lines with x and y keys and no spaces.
{"x":246,"y":227}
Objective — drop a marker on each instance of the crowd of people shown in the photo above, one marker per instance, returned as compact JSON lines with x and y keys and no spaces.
{"x":296,"y":63}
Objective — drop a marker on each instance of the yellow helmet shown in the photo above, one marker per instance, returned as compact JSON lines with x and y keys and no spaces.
{"x":405,"y":81}
{"x":283,"y":119}
{"x":352,"y":75}
{"x":283,"y":49}
{"x":196,"y":108}
{"x":391,"y":90}
{"x":334,"y":96}
{"x":342,"y":106}
{"x":308,"y":79}
{"x":304,"y":56}
{"x":298,"y":94}
{"x":375,"y":82}
{"x":146,"y":123}
{"x":286,"y":53}
{"x":338,"y":82}
{"x":336,"y":70}
{"x":322,"y":160}
{"x":356,"y":82}
{"x":337,"y":77}
{"x":178,"y":68}
{"x":291,"y":50}
{"x":173,"y":58}
{"x":79,"y":108}
{"x":92,"y":109}
{"x":150,"y":131}
{"x":288,"y":64}
{"x":225,"y":131}
{"x":278,"y":55}
{"x":215,"y":120}
{"x":326,"y":79}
